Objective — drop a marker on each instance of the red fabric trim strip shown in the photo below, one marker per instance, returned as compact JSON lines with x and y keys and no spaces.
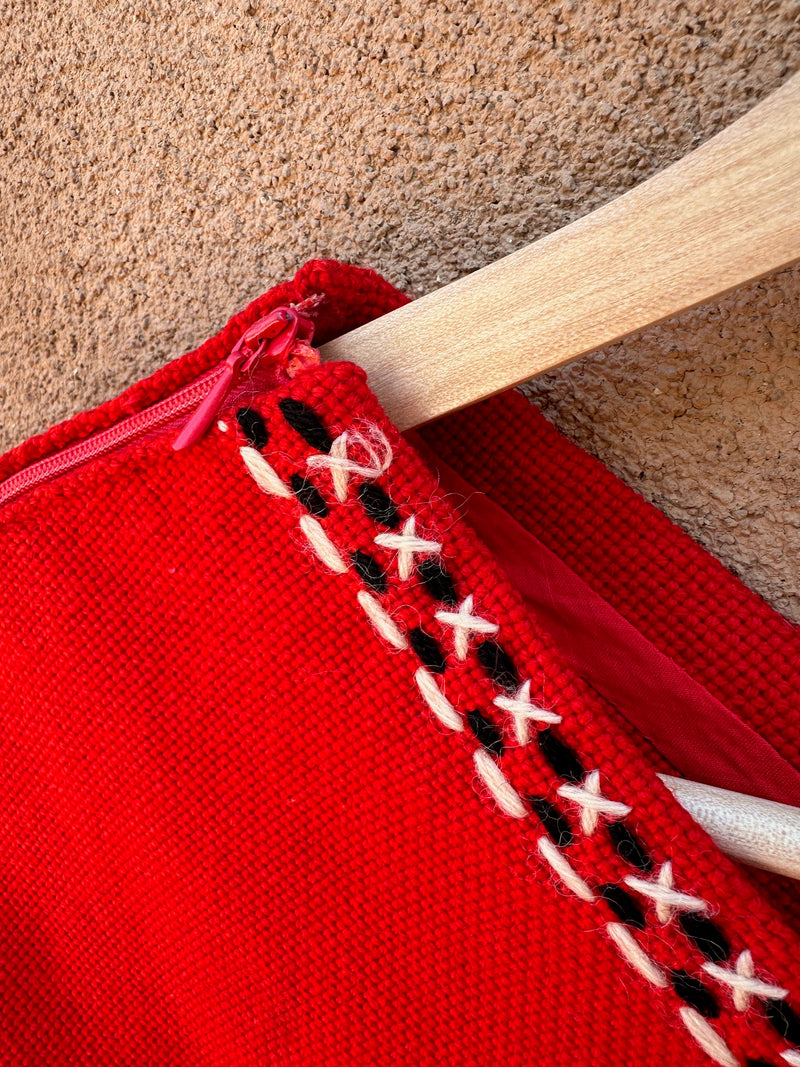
{"x":699,"y":736}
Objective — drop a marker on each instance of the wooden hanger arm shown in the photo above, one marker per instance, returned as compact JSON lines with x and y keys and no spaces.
{"x":725,"y":214}
{"x":754,"y":831}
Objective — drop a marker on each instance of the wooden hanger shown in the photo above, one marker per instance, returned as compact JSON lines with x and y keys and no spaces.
{"x":724,"y":215}
{"x":727,"y":213}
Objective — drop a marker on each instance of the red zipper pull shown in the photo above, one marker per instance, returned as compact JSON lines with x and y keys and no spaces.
{"x":282,"y":337}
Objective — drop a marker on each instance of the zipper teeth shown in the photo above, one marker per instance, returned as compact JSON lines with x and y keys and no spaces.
{"x":101,"y":443}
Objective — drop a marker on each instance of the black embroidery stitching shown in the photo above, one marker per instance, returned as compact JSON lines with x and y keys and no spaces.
{"x":306,"y":422}
{"x":623,"y":905}
{"x":308,"y":495}
{"x":554,"y":821}
{"x":630,"y":847}
{"x":696,"y":994}
{"x":428,"y":650}
{"x":486,"y":732}
{"x":378,"y":505}
{"x":563,"y":760}
{"x":498,"y":665}
{"x":370,"y":571}
{"x":706,"y":935}
{"x":437,"y":581}
{"x":253,"y":427}
{"x":783,"y":1019}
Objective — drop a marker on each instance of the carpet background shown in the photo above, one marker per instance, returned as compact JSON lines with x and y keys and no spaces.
{"x":163,"y":163}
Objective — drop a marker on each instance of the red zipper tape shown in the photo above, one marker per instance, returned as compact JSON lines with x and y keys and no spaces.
{"x":281,"y":340}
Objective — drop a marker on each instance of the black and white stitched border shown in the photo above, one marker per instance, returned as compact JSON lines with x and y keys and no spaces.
{"x":580,"y":788}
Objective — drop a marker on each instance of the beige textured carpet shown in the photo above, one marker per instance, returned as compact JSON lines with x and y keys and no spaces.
{"x":164,"y":163}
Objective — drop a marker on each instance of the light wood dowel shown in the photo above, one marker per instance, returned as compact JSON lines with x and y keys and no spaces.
{"x":754,"y":831}
{"x":727,"y":213}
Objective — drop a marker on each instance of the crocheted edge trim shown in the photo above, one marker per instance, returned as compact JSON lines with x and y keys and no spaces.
{"x":581,"y":789}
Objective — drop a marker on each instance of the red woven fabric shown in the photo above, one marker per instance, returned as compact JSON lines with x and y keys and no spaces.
{"x":679,"y":597}
{"x":663,"y":702}
{"x":235,"y":832}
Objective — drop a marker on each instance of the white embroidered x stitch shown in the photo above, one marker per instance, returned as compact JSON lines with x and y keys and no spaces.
{"x":743,"y":982}
{"x":524,"y":712}
{"x":740,"y":978}
{"x":465,"y":623}
{"x":377,"y":452}
{"x":407,"y":545}
{"x":592,"y":802}
{"x":667,"y":899}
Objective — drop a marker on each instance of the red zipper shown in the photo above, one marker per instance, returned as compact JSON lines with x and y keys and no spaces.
{"x":278,"y":344}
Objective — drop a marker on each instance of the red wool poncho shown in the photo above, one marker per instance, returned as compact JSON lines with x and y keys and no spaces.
{"x":296,"y":772}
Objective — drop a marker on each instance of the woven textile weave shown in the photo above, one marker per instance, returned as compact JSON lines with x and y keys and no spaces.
{"x":270,"y":791}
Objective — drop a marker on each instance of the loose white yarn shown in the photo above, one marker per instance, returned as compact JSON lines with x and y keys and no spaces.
{"x":373,"y":444}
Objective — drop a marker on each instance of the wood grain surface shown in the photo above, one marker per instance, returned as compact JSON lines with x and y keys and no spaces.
{"x":727,"y":213}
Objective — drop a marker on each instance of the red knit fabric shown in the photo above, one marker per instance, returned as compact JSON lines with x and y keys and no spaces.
{"x":678,"y":596}
{"x":235,"y":833}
